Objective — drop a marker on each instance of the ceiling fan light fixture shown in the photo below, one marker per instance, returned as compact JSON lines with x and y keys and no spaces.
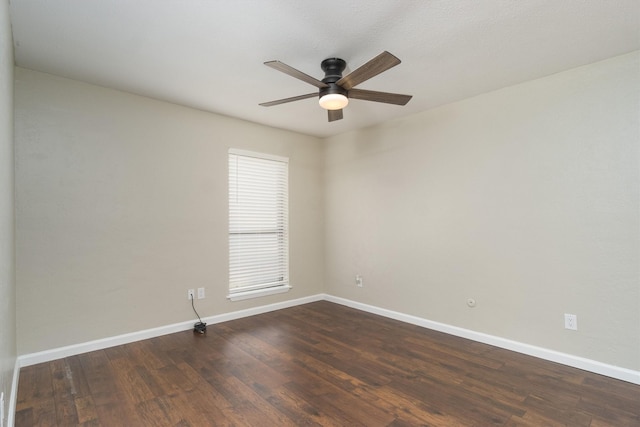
{"x":333,"y":101}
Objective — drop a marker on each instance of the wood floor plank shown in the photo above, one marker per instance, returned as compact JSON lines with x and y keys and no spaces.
{"x":614,"y":411}
{"x":130,"y":381}
{"x":77,"y":376}
{"x":531,"y":419}
{"x":301,"y":412}
{"x":38,"y":385}
{"x":39,"y":413}
{"x":86,"y":410}
{"x":410,"y":408}
{"x":63,"y":393}
{"x":318,"y":364}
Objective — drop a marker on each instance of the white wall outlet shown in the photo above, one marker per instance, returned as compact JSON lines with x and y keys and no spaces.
{"x":571,"y":321}
{"x":200,"y":293}
{"x":358,"y":280}
{"x":190,"y":294}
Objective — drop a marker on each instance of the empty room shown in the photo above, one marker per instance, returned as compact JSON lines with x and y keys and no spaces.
{"x":336,"y":213}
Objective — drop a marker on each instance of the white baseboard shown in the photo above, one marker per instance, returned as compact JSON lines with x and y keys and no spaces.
{"x":539,"y":352}
{"x":617,"y":372}
{"x":13,"y":396}
{"x":71,"y":350}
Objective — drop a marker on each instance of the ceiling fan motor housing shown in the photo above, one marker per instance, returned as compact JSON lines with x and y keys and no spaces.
{"x":333,"y":68}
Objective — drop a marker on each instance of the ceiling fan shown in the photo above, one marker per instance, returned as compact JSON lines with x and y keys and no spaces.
{"x":336,"y":90}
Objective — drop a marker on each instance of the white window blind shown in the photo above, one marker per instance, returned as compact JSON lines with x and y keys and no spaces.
{"x":258,"y":221}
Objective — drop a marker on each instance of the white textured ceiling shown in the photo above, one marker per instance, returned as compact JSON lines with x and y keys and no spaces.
{"x":209,"y":54}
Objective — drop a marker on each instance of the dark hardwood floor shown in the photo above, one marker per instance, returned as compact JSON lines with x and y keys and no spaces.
{"x":319,"y":364}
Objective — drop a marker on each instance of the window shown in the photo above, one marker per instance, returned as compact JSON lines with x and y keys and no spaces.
{"x":258,"y":224}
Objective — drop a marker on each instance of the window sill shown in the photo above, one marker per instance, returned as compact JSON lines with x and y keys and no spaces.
{"x":239,"y":296}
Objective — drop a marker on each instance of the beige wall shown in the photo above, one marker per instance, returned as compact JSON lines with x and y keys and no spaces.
{"x":7,"y":253}
{"x":525,"y":199}
{"x":121,"y":207}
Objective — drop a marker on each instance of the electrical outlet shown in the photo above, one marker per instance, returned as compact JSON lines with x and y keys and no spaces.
{"x":358,"y":280}
{"x":190,"y":294}
{"x":571,"y":322}
{"x":200,"y":293}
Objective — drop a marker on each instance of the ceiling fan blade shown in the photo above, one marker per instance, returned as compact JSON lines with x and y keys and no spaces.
{"x":293,"y":98}
{"x":335,"y":115}
{"x":372,"y":95}
{"x":377,"y":65}
{"x":281,"y":66}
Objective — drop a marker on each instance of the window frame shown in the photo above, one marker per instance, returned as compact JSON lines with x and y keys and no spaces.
{"x":279,"y":199}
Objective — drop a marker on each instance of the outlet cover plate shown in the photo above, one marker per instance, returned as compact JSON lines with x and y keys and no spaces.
{"x":571,"y":322}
